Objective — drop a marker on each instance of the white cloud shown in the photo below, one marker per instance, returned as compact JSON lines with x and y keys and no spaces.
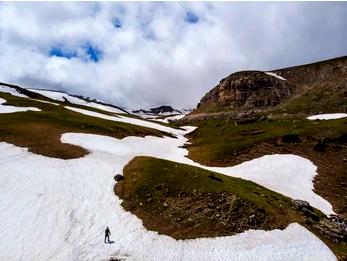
{"x":156,"y":57}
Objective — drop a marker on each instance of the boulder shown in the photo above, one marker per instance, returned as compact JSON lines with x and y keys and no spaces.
{"x":299,"y":204}
{"x":118,"y":177}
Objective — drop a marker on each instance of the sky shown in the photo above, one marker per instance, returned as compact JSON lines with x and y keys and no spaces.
{"x":146,"y":54}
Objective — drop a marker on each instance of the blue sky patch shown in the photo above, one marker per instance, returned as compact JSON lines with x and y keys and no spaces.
{"x":94,"y":54}
{"x":59,"y":52}
{"x":191,"y":18}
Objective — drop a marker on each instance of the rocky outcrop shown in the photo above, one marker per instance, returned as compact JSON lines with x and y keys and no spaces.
{"x":332,"y":227}
{"x":246,"y":90}
{"x":294,"y":92}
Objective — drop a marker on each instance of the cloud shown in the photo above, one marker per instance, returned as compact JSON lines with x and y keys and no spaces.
{"x":148,"y":54}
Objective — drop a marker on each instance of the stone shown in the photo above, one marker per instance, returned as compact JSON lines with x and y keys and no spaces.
{"x":211,"y":205}
{"x":252,"y":220}
{"x":333,"y":227}
{"x":298,"y":203}
{"x":118,"y":177}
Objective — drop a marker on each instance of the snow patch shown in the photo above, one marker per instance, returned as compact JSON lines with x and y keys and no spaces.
{"x":287,"y":174}
{"x":276,"y":75}
{"x":11,"y":91}
{"x":172,"y":118}
{"x":330,"y":116}
{"x":61,"y":96}
{"x":11,"y":109}
{"x":129,"y":120}
{"x":53,"y":103}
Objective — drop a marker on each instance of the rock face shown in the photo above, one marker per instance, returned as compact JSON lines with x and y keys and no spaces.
{"x":246,"y":90}
{"x":292,"y":92}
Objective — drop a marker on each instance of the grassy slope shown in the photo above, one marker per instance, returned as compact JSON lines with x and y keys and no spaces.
{"x":221,"y":143}
{"x":41,"y":131}
{"x":215,"y":141}
{"x":322,"y":87}
{"x":165,"y":195}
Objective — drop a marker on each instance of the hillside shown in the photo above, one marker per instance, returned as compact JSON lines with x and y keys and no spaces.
{"x":289,"y":92}
{"x":188,"y":202}
{"x":40,"y":129}
{"x":251,"y":114}
{"x":236,"y":188}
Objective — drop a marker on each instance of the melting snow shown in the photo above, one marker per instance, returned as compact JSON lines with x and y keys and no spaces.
{"x":129,"y":120}
{"x":330,"y":116}
{"x":276,"y":75}
{"x":11,"y":109}
{"x":276,"y":172}
{"x":61,"y":96}
{"x":53,"y":209}
{"x":172,"y":118}
{"x":11,"y":91}
{"x":53,"y":103}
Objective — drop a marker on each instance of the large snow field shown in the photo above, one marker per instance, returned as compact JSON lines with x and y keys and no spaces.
{"x":11,"y":109}
{"x":329,"y":116}
{"x":61,"y":96}
{"x":54,"y":209}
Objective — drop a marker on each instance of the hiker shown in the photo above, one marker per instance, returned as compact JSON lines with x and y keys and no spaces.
{"x":107,"y":235}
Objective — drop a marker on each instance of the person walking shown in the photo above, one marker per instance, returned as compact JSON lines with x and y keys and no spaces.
{"x":107,"y":235}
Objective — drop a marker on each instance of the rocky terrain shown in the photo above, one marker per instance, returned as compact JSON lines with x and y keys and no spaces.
{"x":284,"y":93}
{"x":246,"y":90}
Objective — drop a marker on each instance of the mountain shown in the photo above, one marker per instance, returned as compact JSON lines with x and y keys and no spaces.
{"x":60,"y":96}
{"x":164,"y":109}
{"x":253,"y":177}
{"x":78,"y":99}
{"x":164,"y":113}
{"x":307,"y":89}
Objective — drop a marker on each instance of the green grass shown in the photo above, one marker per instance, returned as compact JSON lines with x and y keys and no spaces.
{"x":41,"y":131}
{"x":215,"y":139}
{"x":186,"y":178}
